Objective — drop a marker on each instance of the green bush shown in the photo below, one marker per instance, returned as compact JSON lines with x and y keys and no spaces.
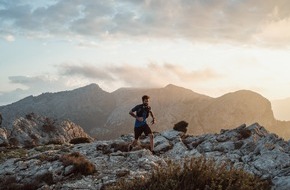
{"x":195,"y":174}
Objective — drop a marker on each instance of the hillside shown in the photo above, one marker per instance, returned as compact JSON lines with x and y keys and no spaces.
{"x":88,"y":106}
{"x":169,"y":104}
{"x":105,"y":115}
{"x":101,"y":163}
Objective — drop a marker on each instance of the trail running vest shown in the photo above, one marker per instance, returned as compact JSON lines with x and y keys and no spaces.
{"x":141,"y":111}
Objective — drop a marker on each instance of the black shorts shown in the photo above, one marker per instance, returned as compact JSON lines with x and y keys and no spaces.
{"x":139,"y":130}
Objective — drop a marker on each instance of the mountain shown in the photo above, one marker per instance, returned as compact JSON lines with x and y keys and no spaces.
{"x":88,"y":106}
{"x":105,"y":115}
{"x":281,"y":109}
{"x":169,"y":105}
{"x":234,"y":108}
{"x":100,"y":163}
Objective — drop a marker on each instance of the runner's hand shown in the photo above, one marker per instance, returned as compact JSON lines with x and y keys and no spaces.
{"x":153,"y":121}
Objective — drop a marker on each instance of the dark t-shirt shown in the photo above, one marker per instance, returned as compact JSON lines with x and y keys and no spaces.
{"x":141,"y":111}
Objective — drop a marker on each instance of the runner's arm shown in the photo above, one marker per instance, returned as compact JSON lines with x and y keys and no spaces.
{"x":153,"y":118}
{"x":133,"y":114}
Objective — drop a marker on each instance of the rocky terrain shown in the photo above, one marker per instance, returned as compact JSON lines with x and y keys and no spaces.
{"x":105,"y":115}
{"x":33,"y":130}
{"x":251,"y":148}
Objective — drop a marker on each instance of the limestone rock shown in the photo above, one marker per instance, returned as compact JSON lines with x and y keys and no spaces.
{"x":258,"y":152}
{"x":34,"y":130}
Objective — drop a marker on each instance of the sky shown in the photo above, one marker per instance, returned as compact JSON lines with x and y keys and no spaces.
{"x":212,"y":47}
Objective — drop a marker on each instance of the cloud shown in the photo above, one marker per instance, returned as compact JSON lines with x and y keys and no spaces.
{"x":13,"y":96}
{"x":207,"y":21}
{"x":148,"y":75}
{"x":39,"y":84}
{"x":275,"y":33}
{"x":25,"y":80}
{"x":85,"y":70}
{"x":110,"y":77}
{"x":9,"y":38}
{"x":31,"y":86}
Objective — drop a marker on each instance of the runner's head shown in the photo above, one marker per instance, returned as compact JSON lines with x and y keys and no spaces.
{"x":145,"y":100}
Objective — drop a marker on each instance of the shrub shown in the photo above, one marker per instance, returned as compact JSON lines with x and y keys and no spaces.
{"x":48,"y":125}
{"x":10,"y":182}
{"x":195,"y":174}
{"x":245,"y":133}
{"x":29,"y":144}
{"x":12,"y":153}
{"x":30,"y":116}
{"x":46,"y":178}
{"x":80,"y":163}
{"x":80,"y":140}
{"x":4,"y":144}
{"x":181,"y":126}
{"x":55,"y":142}
{"x":13,"y":142}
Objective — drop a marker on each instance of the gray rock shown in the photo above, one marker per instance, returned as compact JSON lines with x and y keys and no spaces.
{"x":262,"y":154}
{"x":161,"y":144}
{"x":3,"y":137}
{"x":39,"y":130}
{"x":171,"y":134}
{"x":281,"y":183}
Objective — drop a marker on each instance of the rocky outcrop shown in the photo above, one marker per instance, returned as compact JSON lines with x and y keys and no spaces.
{"x":251,"y":148}
{"x":33,"y":130}
{"x":3,"y":138}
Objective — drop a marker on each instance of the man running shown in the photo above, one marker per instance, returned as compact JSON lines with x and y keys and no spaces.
{"x":142,"y":112}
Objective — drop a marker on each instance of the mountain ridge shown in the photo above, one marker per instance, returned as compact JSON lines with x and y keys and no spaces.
{"x":105,"y":114}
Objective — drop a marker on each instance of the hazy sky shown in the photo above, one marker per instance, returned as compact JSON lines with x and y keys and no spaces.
{"x":209,"y":46}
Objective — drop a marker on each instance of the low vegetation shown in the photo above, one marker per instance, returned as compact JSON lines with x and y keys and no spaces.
{"x":181,"y":126}
{"x":80,"y":140}
{"x":11,"y":183}
{"x":80,"y":163}
{"x":195,"y":174}
{"x":49,"y":125}
{"x":12,"y":153}
{"x":245,"y":133}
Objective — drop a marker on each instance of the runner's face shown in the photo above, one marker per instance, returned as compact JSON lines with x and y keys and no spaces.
{"x":146,"y":102}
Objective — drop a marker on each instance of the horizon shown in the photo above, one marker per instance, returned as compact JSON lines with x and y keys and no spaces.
{"x":146,"y":88}
{"x":211,"y":48}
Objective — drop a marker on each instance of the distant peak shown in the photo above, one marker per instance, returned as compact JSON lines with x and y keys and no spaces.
{"x":245,"y":93}
{"x":91,"y":87}
{"x":171,"y":86}
{"x":174,"y":87}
